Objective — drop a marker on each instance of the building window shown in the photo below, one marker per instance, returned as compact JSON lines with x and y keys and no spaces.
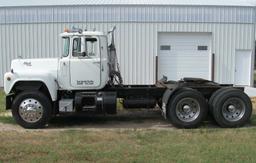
{"x":165,"y":47}
{"x":202,"y":48}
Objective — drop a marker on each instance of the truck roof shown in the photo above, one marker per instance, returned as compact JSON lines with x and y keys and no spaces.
{"x":84,"y":33}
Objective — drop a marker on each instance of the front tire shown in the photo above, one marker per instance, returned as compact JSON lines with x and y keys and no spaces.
{"x":31,"y":109}
{"x":187,"y":108}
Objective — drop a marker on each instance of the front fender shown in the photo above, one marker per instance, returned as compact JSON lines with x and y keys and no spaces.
{"x":10,"y":79}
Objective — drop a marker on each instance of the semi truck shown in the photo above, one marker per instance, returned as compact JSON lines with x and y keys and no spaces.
{"x":87,"y":79}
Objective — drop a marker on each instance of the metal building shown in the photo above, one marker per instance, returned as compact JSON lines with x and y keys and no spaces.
{"x":212,"y":39}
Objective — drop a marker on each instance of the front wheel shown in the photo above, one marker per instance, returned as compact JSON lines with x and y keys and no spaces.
{"x":31,"y":109}
{"x":187,"y":108}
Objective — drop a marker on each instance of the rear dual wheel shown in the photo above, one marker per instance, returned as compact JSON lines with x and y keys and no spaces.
{"x":187,"y":108}
{"x":230,"y":107}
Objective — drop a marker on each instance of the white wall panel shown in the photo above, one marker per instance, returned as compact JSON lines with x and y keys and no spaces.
{"x":121,"y":13}
{"x":127,"y":2}
{"x":136,"y":45}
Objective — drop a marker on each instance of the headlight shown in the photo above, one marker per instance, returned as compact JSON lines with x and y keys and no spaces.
{"x":8,"y":78}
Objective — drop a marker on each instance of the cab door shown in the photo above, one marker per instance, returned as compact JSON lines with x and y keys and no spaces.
{"x":63,"y":69}
{"x":85,"y":63}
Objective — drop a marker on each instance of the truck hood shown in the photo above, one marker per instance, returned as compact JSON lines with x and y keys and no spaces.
{"x":39,"y":66}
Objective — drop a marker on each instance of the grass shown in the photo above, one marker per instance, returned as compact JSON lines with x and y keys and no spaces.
{"x":141,"y":145}
{"x":200,"y":145}
{"x":2,"y":102}
{"x":4,"y":115}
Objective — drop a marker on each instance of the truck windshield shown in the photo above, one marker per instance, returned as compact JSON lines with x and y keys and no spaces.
{"x":65,"y":46}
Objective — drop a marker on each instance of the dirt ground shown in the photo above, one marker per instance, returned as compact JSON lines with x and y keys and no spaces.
{"x":135,"y":119}
{"x":127,"y":120}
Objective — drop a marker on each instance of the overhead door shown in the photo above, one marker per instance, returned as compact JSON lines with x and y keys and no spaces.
{"x":184,"y":55}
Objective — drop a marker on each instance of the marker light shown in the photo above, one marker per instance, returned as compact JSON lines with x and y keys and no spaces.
{"x":66,"y":30}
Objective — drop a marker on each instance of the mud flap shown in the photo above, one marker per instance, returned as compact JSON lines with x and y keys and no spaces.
{"x":165,"y":99}
{"x":167,"y":95}
{"x":8,"y":102}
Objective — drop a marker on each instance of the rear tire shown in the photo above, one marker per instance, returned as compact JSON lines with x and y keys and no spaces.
{"x":187,"y":108}
{"x":231,"y":108}
{"x":31,"y":109}
{"x":213,"y":97}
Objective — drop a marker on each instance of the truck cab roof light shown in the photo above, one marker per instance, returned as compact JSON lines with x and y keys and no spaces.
{"x":66,"y":30}
{"x":74,"y":29}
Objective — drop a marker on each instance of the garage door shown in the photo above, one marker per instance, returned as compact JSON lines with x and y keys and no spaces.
{"x":184,"y":55}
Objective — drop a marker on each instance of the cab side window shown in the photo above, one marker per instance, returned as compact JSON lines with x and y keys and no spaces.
{"x":92,"y":47}
{"x":65,"y":46}
{"x":76,"y":47}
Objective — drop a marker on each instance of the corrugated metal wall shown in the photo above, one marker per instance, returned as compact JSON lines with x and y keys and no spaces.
{"x":33,"y":33}
{"x":127,"y":13}
{"x":136,"y":45}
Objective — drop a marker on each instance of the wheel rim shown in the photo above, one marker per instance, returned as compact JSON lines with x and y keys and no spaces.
{"x":31,"y":110}
{"x":188,"y":109}
{"x":233,"y":109}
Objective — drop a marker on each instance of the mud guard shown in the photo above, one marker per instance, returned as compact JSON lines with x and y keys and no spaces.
{"x":8,"y":102}
{"x":167,"y":95}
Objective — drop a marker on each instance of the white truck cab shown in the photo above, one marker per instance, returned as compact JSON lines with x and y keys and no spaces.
{"x":84,"y":63}
{"x":82,"y":66}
